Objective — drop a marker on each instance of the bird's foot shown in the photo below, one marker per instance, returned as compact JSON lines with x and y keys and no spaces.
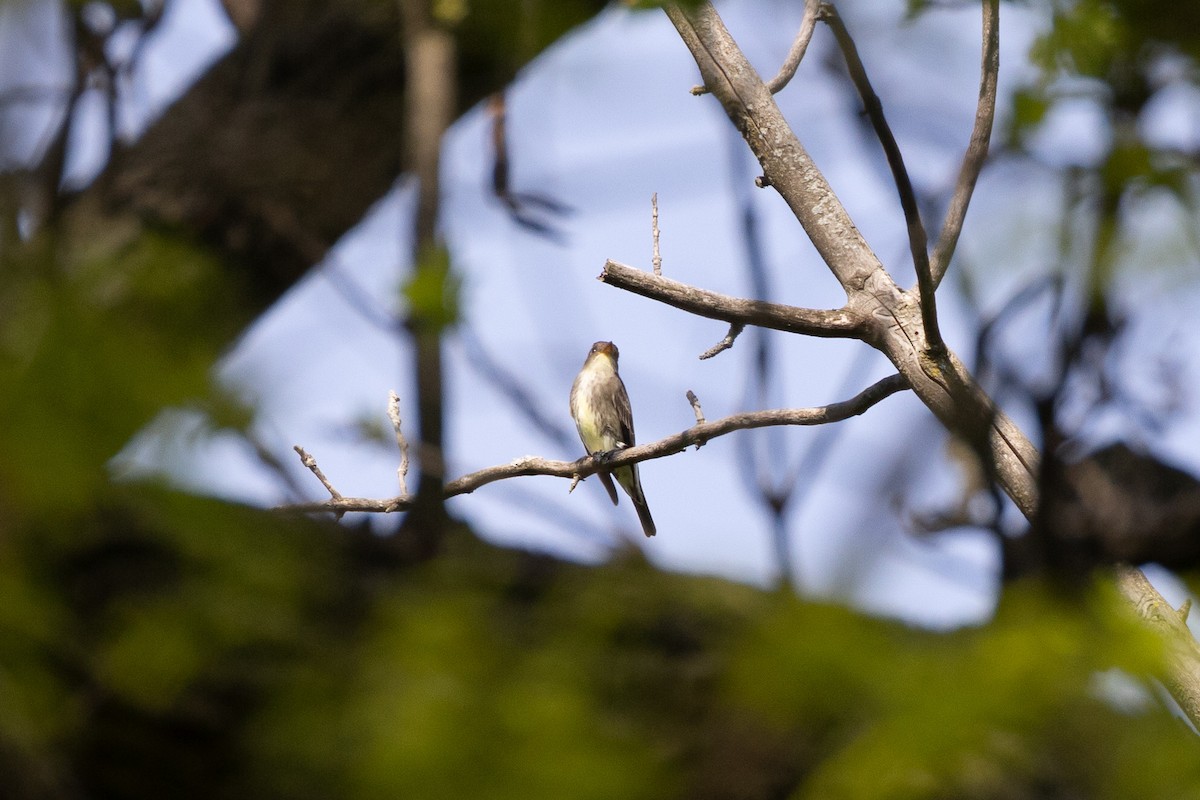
{"x":604,"y":456}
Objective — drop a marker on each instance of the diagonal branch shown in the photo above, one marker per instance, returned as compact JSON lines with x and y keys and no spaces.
{"x":829,"y":324}
{"x":977,"y":149}
{"x":787,"y":166}
{"x":917,"y":241}
{"x":1182,"y":653}
{"x":588,"y":465}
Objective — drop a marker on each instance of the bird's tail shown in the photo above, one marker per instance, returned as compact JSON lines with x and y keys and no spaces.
{"x":632,"y":484}
{"x":644,"y":516}
{"x":606,"y":481}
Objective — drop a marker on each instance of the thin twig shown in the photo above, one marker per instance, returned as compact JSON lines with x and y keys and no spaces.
{"x":807,"y":25}
{"x":697,"y":410}
{"x":837,"y":324}
{"x":917,"y":240}
{"x":735,"y":330}
{"x":791,"y":63}
{"x":977,"y":149}
{"x":402,"y":443}
{"x":589,"y":465}
{"x":311,"y":463}
{"x":656,"y":260}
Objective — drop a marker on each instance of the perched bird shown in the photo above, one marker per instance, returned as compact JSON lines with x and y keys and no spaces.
{"x":600,"y":408}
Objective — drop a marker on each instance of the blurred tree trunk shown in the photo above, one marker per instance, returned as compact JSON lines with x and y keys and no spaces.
{"x":272,"y":155}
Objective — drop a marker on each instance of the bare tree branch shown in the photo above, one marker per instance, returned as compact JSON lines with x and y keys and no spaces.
{"x":840,"y":323}
{"x":1183,"y":653}
{"x":311,"y":463}
{"x":791,"y":63}
{"x":917,"y":240}
{"x":695,"y":403}
{"x":890,"y":318}
{"x":656,"y":258}
{"x":735,"y":330}
{"x":590,"y":465}
{"x":977,"y":149}
{"x":787,"y":165}
{"x":401,"y":442}
{"x":698,"y":411}
{"x":799,"y":47}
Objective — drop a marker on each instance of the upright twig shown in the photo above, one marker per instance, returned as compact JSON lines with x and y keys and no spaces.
{"x":401,"y":443}
{"x":311,"y":463}
{"x":808,"y":24}
{"x":656,"y":258}
{"x":697,"y":410}
{"x":977,"y":148}
{"x":917,"y":240}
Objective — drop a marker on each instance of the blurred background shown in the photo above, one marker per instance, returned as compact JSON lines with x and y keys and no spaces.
{"x":228,"y":228}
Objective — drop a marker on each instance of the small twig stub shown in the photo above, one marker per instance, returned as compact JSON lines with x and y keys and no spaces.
{"x":656,"y":259}
{"x":401,"y":442}
{"x":735,"y":330}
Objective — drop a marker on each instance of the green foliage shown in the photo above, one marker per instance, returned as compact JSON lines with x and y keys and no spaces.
{"x":433,"y":291}
{"x":1007,"y":710}
{"x":93,"y":345}
{"x":1086,"y":39}
{"x":1117,"y":56}
{"x":499,"y":36}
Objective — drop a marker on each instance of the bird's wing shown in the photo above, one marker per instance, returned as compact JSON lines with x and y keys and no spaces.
{"x":624,"y":415}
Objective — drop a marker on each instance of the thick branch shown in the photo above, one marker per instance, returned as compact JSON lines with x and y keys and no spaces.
{"x":786,"y":164}
{"x":1183,"y":653}
{"x":977,"y":149}
{"x":840,"y":323}
{"x":588,"y":465}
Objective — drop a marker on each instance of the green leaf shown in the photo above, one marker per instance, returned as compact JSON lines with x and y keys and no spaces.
{"x":432,"y":291}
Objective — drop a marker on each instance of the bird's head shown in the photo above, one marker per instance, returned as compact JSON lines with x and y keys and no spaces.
{"x":607,"y":349}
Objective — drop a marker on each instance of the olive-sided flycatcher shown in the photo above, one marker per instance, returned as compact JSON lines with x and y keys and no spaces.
{"x":600,"y":407}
